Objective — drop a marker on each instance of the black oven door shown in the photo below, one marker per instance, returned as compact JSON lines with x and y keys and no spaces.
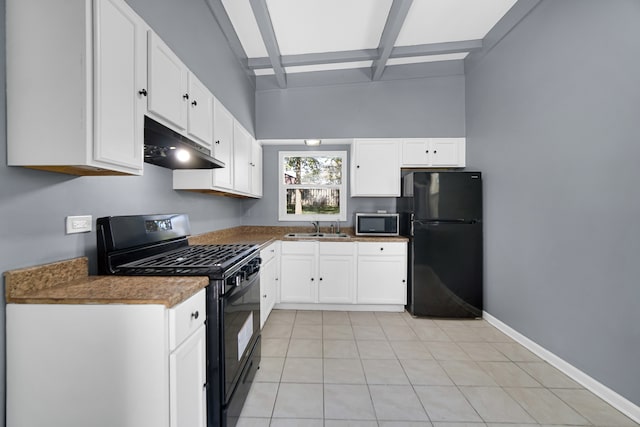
{"x":240,"y":321}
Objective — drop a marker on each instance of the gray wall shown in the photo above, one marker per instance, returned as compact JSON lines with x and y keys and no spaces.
{"x":265,"y":211}
{"x":33,"y":204}
{"x":418,"y":107}
{"x":552,"y":121}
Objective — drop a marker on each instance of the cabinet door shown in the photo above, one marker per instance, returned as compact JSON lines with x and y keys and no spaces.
{"x":298,"y":278}
{"x":375,"y":168}
{"x":119,"y":85}
{"x":200,"y":116}
{"x":267,"y":289}
{"x":445,"y":152}
{"x":382,"y":280}
{"x":168,"y":91}
{"x":241,"y":159}
{"x":256,"y":168}
{"x":222,"y":145}
{"x":335,"y":279}
{"x":415,"y":152}
{"x":187,"y":392}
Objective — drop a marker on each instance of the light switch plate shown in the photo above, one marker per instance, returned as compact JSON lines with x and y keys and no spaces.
{"x":79,"y":224}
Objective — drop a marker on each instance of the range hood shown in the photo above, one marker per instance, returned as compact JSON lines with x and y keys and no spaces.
{"x":169,"y":149}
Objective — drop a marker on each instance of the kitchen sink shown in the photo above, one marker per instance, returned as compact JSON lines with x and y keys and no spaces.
{"x":318,"y":235}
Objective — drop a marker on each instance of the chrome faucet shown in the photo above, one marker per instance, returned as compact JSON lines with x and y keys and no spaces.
{"x":338,"y":227}
{"x":316,"y":226}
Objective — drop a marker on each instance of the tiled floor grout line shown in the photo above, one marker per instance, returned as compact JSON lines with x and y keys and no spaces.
{"x":486,"y":345}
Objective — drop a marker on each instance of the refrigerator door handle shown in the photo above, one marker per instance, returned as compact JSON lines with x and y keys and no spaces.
{"x":411,"y":222}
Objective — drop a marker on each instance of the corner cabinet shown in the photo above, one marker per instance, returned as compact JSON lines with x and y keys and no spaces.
{"x":433,"y":152}
{"x":123,"y":365}
{"x":241,"y":154}
{"x":76,"y":96}
{"x":375,"y":168}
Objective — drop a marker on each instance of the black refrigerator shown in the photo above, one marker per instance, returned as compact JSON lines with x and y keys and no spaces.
{"x":441,"y":214}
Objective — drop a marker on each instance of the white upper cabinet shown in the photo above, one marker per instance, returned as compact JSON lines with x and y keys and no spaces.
{"x":76,"y":96}
{"x":222,"y":146}
{"x":168,"y":85}
{"x":241,"y":158}
{"x":176,"y":97}
{"x":375,"y":168}
{"x":256,"y":168}
{"x":241,"y":154}
{"x":200,"y":117}
{"x":433,"y":152}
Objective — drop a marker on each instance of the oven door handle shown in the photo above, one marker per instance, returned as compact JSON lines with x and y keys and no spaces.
{"x":239,"y":291}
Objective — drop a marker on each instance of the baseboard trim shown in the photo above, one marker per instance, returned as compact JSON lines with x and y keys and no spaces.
{"x":605,"y":393}
{"x":397,"y":308}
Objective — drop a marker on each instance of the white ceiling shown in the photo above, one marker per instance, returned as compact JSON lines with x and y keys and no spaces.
{"x":341,"y":34}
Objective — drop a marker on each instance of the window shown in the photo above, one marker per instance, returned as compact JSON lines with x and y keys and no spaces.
{"x":312,"y":186}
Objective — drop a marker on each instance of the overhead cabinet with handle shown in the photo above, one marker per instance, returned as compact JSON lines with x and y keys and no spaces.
{"x":177,"y":98}
{"x":375,"y":168}
{"x":433,"y":152}
{"x":76,"y":87}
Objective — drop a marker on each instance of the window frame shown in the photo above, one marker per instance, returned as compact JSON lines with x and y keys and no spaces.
{"x":282,"y":187}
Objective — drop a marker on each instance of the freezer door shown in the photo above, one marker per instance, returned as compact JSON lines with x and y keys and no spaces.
{"x":447,"y":195}
{"x":445,"y":271}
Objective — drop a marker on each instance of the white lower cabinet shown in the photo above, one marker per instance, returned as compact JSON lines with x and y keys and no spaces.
{"x":268,"y":279}
{"x":336,"y":272}
{"x":188,"y":376}
{"x":298,"y":265}
{"x":123,"y":365}
{"x":382,"y":273}
{"x":317,"y":272}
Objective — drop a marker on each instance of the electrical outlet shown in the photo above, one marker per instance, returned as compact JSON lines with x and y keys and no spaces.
{"x":79,"y":224}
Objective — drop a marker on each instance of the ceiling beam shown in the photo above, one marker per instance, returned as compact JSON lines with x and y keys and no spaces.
{"x":395,"y":20}
{"x":317,"y":58}
{"x":222,"y":18}
{"x":368,"y":54}
{"x":265,"y":25}
{"x":436,"y":48}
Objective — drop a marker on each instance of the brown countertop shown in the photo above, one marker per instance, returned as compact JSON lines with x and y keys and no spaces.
{"x":263,"y":235}
{"x":68,"y":282}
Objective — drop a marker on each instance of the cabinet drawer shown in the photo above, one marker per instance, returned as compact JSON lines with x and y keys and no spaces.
{"x":298,"y":248}
{"x":382,"y":248}
{"x":336,"y":248}
{"x":268,"y":253}
{"x":185,"y":318}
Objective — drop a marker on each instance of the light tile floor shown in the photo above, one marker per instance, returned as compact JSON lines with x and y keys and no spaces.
{"x":388,"y":369}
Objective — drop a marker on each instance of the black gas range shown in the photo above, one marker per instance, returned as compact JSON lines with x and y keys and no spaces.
{"x":157,"y":245}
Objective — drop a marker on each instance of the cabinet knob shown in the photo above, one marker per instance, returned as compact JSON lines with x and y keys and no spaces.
{"x":194,"y":102}
{"x":195,"y":314}
{"x":185,"y":96}
{"x":427,"y":151}
{"x":403,"y":281}
{"x":435,"y":151}
{"x":218,"y":142}
{"x":142,"y":92}
{"x":312,"y":279}
{"x":358,"y":167}
{"x":277,"y":279}
{"x":264,"y":296}
{"x":321,"y":279}
{"x":382,"y":249}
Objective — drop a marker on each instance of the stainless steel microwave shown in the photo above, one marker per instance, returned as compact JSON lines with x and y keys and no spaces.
{"x":376,"y":224}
